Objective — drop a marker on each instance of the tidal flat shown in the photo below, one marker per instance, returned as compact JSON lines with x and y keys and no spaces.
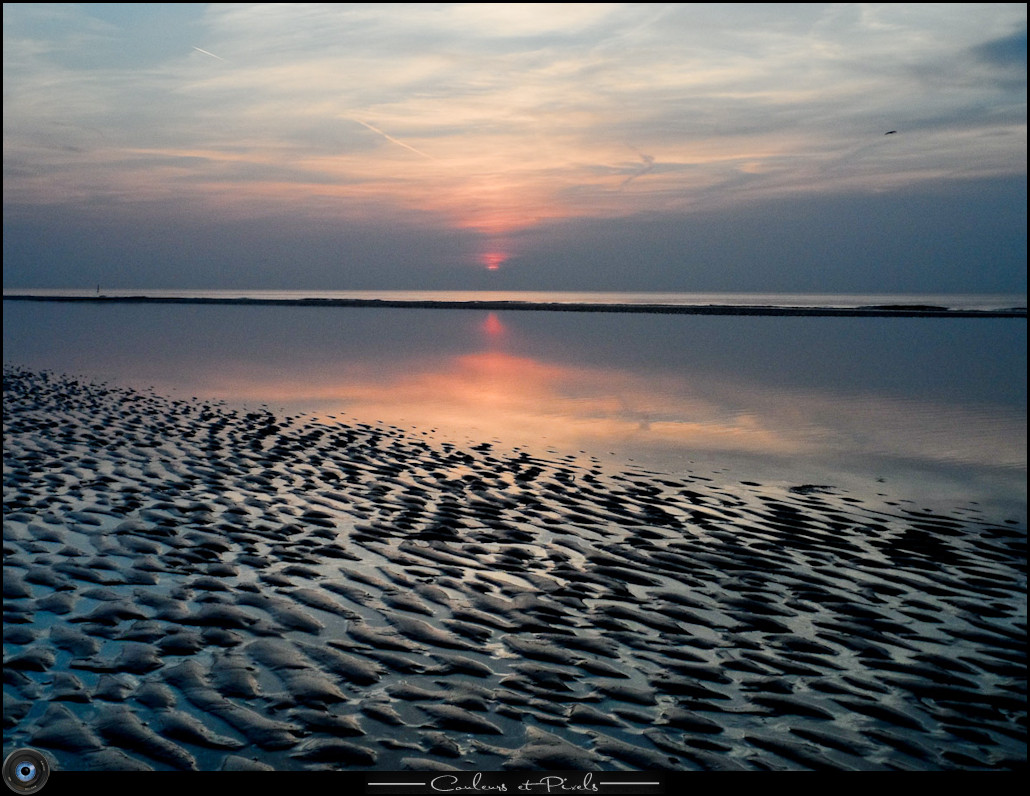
{"x":192,"y":586}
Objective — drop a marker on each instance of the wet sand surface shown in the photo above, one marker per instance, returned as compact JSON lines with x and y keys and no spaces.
{"x":193,"y":587}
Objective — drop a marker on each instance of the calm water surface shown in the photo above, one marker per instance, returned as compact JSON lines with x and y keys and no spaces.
{"x":977,"y":301}
{"x":930,"y":409}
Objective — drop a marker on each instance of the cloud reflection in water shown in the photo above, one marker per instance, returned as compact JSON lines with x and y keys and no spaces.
{"x":794,"y":397}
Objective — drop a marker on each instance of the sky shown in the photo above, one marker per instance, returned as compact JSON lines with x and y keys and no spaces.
{"x":586,"y":146}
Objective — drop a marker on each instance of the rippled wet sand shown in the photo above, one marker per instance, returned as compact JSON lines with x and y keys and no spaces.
{"x":192,"y":587}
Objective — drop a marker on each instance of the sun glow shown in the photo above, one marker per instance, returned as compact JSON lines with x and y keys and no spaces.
{"x":493,"y":260}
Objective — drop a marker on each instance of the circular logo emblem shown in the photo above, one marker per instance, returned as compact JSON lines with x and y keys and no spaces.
{"x":26,"y":771}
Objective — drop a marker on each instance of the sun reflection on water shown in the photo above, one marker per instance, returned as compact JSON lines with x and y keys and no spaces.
{"x":543,"y":381}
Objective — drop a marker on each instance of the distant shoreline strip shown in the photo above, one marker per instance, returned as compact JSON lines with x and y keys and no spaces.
{"x":872,"y":311}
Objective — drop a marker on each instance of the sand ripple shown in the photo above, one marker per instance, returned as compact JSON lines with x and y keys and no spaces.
{"x":188,"y":586}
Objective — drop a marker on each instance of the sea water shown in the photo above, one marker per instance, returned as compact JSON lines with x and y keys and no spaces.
{"x":926,"y":409}
{"x":982,"y":302}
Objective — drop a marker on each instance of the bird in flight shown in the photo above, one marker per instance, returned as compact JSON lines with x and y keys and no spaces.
{"x":890,"y":132}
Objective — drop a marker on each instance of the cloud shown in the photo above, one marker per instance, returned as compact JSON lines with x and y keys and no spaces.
{"x":500,"y":117}
{"x":1006,"y":51}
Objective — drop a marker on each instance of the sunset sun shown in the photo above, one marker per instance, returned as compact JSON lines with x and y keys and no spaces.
{"x":493,"y":260}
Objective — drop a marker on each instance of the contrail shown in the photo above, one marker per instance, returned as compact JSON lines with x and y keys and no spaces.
{"x":220,"y":58}
{"x":393,"y":140}
{"x":648,"y":161}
